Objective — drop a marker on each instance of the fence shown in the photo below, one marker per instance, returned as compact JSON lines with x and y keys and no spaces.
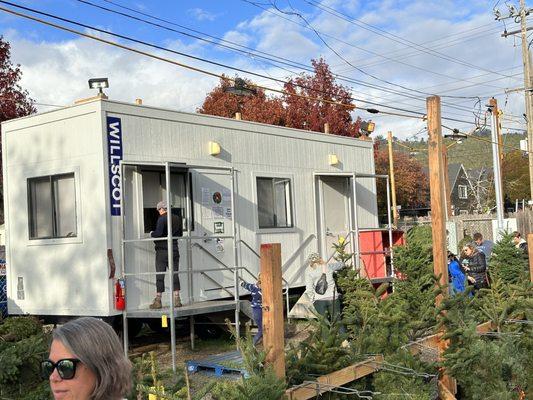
{"x":524,"y":221}
{"x":463,"y":226}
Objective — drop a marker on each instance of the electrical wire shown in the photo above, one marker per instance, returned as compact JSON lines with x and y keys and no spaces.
{"x":33,"y":102}
{"x":320,"y":35}
{"x":390,"y":36}
{"x":413,"y":114}
{"x":252,"y":53}
{"x":196,"y":69}
{"x":181,"y":53}
{"x":482,"y":139}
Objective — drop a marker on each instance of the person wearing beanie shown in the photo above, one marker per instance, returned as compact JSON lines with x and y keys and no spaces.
{"x":161,"y":254}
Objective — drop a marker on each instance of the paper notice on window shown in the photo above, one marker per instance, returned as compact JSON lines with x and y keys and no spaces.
{"x":218,"y":211}
{"x":226,"y":195}
{"x":228,"y":213}
{"x":206,"y":196}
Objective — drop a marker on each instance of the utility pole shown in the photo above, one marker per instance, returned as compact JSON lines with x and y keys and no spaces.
{"x":496,"y":162}
{"x":438,"y":215}
{"x":436,"y":186}
{"x":392,"y":182}
{"x":447,"y":188}
{"x":526,"y":60}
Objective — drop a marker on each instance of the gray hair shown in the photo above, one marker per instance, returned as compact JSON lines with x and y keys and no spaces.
{"x":98,"y":347}
{"x":313,"y":258}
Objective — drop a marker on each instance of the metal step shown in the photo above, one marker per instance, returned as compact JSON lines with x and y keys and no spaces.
{"x":198,"y":308}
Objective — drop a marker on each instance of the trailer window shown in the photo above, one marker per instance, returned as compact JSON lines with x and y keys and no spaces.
{"x":274,"y":203}
{"x":52,"y":207}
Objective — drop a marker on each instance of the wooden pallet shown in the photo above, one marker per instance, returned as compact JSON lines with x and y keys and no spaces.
{"x":219,"y":364}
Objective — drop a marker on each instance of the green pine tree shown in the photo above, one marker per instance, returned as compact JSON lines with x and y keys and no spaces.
{"x":507,"y":262}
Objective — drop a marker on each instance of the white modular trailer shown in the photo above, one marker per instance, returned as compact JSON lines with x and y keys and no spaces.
{"x":84,"y":179}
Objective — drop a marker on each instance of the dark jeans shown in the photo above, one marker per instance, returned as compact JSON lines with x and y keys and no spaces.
{"x":330,"y":309}
{"x":161,"y":265}
{"x":258,"y":319}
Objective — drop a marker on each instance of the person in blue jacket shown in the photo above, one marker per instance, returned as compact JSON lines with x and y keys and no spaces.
{"x":257,"y":306}
{"x":456,"y":275}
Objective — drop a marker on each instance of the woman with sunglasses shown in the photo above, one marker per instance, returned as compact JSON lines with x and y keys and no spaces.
{"x":86,"y":362}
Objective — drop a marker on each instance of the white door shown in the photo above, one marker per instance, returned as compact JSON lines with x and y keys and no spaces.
{"x":334,"y":209}
{"x":212,"y":248}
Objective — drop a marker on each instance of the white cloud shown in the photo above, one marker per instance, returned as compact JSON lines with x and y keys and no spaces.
{"x":238,"y":37}
{"x":202,"y":15}
{"x":57,"y":73}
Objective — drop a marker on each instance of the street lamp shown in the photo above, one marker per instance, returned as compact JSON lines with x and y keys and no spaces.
{"x":240,"y":89}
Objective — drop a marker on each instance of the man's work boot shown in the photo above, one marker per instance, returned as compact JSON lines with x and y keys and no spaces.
{"x":177,"y":301}
{"x":156,"y":304}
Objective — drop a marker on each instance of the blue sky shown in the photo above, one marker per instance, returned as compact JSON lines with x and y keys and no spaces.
{"x":413,"y":48}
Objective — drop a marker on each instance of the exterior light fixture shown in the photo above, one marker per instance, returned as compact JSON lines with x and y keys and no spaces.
{"x":456,"y":135}
{"x":240,"y":88}
{"x":99,"y":83}
{"x":367,"y":127}
{"x":333,"y":159}
{"x":214,"y":148}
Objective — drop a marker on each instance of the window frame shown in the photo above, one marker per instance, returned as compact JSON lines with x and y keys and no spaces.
{"x":50,"y":240}
{"x":291,"y":203}
{"x":459,"y":188}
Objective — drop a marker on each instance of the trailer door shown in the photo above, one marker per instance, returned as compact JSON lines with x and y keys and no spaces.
{"x":334,"y":211}
{"x":212,"y":235}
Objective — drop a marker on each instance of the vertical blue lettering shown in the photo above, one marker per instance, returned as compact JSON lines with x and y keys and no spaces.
{"x":114,"y":154}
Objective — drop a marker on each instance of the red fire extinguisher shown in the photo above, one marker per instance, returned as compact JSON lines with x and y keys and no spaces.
{"x":120,"y":294}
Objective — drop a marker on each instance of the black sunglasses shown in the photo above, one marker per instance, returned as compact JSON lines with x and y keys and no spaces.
{"x":66,"y":368}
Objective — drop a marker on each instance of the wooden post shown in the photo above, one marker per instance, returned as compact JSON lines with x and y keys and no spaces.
{"x":436,"y":185}
{"x":392,"y":182}
{"x":326,"y":127}
{"x":447,"y":186}
{"x":530,"y":254}
{"x":273,"y":330}
{"x":438,"y":212}
{"x":238,"y":116}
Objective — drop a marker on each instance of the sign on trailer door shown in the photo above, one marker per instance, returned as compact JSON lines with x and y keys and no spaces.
{"x":213,"y":230}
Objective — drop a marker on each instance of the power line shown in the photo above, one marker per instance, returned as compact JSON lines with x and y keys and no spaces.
{"x":417,"y":115}
{"x":349,"y":106}
{"x":33,"y":102}
{"x":204,"y":60}
{"x":251,"y":52}
{"x":392,"y":37}
{"x":259,"y":5}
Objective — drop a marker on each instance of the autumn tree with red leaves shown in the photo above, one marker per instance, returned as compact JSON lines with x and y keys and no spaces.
{"x":412,"y":184}
{"x":257,"y":107}
{"x":14,"y":101}
{"x":306,"y":103}
{"x":303,"y":111}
